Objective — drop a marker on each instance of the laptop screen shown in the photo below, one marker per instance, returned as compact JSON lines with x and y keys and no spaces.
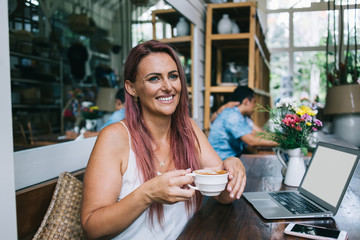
{"x":328,"y":173}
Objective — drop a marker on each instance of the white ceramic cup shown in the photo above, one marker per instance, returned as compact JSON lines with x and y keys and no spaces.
{"x":209,"y":182}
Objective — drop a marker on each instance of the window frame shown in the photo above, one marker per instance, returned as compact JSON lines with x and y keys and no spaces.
{"x":291,"y":49}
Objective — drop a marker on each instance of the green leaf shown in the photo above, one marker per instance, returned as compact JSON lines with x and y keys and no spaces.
{"x":304,"y":150}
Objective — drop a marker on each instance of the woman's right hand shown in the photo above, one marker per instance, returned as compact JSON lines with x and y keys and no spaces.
{"x":168,"y":187}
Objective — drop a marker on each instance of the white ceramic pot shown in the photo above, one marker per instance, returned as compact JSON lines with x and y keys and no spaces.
{"x":295,"y":166}
{"x":225,"y":25}
{"x":182,"y":27}
{"x":347,"y":127}
{"x":235,"y":28}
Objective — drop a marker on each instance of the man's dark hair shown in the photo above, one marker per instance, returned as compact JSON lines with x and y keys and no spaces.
{"x":121,"y":95}
{"x":241,"y":93}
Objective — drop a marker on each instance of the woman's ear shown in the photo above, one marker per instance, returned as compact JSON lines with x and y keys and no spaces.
{"x":130,"y":88}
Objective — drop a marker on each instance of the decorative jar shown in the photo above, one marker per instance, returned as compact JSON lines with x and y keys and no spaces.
{"x":182,"y":27}
{"x":225,"y":25}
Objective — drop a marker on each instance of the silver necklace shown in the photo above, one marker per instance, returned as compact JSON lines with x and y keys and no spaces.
{"x":162,"y":163}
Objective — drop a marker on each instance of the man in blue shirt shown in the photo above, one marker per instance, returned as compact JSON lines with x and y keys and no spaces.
{"x":233,"y":129}
{"x":119,"y":114}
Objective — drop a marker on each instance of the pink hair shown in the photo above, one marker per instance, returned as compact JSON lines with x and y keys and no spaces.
{"x":182,"y":136}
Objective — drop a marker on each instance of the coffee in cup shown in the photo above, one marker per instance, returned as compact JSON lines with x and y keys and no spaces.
{"x":209,"y":182}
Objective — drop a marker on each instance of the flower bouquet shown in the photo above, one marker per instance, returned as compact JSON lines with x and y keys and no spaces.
{"x":291,"y":126}
{"x":89,"y":111}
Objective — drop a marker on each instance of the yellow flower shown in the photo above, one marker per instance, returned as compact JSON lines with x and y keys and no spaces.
{"x":305,"y":110}
{"x":308,"y":123}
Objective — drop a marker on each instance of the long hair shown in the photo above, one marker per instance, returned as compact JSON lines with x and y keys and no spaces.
{"x":182,"y":136}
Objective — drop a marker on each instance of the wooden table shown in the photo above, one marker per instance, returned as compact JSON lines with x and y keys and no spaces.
{"x":240,"y":220}
{"x":49,"y":139}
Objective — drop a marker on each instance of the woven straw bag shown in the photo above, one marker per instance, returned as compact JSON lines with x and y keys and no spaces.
{"x":62,"y":219}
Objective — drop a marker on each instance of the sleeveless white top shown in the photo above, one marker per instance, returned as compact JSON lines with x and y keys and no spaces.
{"x":175,"y":215}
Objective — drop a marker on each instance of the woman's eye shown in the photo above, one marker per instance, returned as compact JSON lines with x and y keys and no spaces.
{"x":154,"y":78}
{"x":174,"y":76}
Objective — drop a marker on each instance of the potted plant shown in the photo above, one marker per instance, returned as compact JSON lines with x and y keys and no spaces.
{"x":343,"y":82}
{"x":292,"y":127}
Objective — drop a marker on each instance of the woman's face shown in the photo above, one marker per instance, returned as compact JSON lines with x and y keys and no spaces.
{"x":157,"y":85}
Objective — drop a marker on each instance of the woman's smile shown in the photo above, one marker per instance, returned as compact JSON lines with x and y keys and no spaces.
{"x":166,"y":99}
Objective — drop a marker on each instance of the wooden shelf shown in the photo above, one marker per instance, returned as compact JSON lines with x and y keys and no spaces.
{"x":247,"y":47}
{"x":36,"y":106}
{"x":39,"y":89}
{"x":232,"y":36}
{"x":170,"y":16}
{"x":223,"y":89}
{"x":22,"y":55}
{"x":181,"y":39}
{"x":33,"y":81}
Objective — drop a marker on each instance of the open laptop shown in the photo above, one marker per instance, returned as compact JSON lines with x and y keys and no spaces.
{"x":324,"y":186}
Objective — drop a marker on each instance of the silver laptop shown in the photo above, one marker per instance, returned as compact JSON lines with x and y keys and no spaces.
{"x":322,"y":188}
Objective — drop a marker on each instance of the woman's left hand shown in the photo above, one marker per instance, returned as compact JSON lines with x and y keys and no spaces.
{"x":237,"y":180}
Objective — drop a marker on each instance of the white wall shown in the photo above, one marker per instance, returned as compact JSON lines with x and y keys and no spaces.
{"x":37,"y":165}
{"x":7,"y":189}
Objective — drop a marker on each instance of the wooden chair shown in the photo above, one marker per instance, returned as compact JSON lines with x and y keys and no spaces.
{"x":19,"y":137}
{"x":38,"y":129}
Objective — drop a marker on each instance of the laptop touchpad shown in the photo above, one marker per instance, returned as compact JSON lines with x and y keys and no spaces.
{"x":265,"y":203}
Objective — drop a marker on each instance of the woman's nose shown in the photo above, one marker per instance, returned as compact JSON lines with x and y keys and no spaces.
{"x":167,"y":84}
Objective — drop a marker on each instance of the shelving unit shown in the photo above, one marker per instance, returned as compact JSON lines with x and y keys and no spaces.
{"x":183,"y":44}
{"x":37,"y":89}
{"x":247,"y":47}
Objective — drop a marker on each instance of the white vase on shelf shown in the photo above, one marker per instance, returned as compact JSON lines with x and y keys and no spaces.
{"x":235,"y":28}
{"x":225,"y":25}
{"x":182,"y":27}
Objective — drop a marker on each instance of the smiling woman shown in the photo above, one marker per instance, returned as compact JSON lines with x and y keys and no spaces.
{"x":192,"y":10}
{"x":149,"y":155}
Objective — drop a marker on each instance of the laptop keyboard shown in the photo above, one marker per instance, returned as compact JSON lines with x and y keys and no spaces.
{"x":295,"y":203}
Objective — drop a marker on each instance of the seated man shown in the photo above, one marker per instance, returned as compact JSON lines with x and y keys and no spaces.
{"x":117,"y":116}
{"x":233,"y":129}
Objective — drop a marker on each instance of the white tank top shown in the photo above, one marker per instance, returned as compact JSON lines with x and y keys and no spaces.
{"x":175,"y":215}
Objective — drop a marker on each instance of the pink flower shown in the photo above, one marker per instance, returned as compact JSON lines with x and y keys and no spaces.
{"x":314,"y":129}
{"x":291,"y":120}
{"x":306,"y":117}
{"x":318,"y":122}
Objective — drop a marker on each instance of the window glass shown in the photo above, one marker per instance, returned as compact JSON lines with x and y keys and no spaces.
{"x":308,"y":34}
{"x":284,"y":4}
{"x":142,"y":26}
{"x":343,"y":2}
{"x":309,"y":74}
{"x":352,"y":18}
{"x":279,"y":69}
{"x":278,"y":30}
{"x":141,"y":32}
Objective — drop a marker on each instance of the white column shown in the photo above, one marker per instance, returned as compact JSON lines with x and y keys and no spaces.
{"x":7,"y":189}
